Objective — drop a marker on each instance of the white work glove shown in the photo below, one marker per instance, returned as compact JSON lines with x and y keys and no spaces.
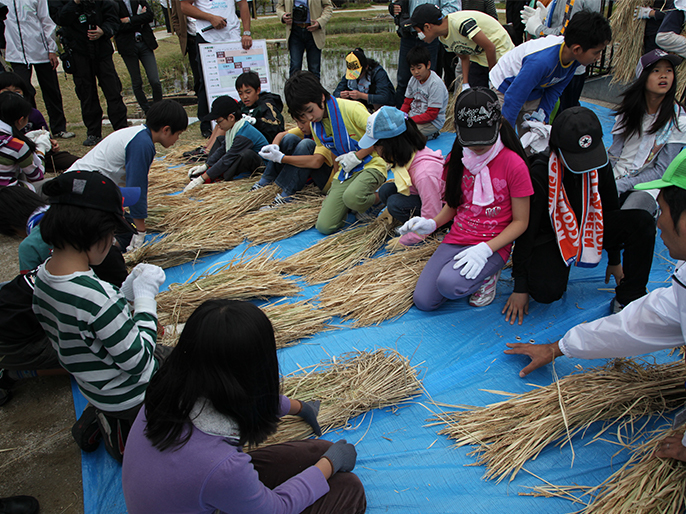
{"x":249,"y":119}
{"x":538,"y":115}
{"x":43,"y":143}
{"x":418,"y":225}
{"x":642,"y":13}
{"x":147,"y":283}
{"x":348,"y":161}
{"x":197,"y":181}
{"x":196,"y":171}
{"x":271,"y":153}
{"x":465,"y":86}
{"x":127,"y":287}
{"x":472,"y":260}
{"x":136,"y":241}
{"x":535,"y":19}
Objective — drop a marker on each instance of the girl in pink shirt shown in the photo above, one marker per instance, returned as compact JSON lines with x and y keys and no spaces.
{"x":487,"y":196}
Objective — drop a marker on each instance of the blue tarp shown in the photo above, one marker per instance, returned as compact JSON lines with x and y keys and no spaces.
{"x":404,"y":465}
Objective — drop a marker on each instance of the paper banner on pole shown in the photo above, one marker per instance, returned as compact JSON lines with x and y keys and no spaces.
{"x":222,"y":63}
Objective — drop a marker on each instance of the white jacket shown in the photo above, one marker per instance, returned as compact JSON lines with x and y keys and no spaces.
{"x":29,"y":31}
{"x":654,"y":322}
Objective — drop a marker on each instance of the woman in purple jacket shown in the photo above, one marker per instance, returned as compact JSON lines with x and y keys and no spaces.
{"x":215,"y":393}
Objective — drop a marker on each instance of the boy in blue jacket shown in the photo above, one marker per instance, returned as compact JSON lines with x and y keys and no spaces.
{"x":530,"y":78}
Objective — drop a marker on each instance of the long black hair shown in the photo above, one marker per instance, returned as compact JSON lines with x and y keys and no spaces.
{"x":633,"y":106}
{"x":13,"y":107}
{"x":226,"y":354}
{"x":398,"y":150}
{"x":453,"y":182}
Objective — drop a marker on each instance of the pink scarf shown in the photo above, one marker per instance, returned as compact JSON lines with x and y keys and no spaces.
{"x":477,"y":165}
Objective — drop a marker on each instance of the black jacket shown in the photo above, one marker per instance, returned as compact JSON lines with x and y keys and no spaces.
{"x":540,"y":229}
{"x":125,"y":38}
{"x":75,"y":19}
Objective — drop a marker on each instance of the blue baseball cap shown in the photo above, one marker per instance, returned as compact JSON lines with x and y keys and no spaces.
{"x":385,"y":123}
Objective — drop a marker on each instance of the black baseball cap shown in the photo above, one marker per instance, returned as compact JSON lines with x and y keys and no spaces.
{"x":221,"y":108}
{"x":92,"y":190}
{"x":578,"y":136}
{"x":653,"y":56}
{"x":426,"y":13}
{"x":477,"y":117}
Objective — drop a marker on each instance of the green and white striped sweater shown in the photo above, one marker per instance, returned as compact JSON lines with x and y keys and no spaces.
{"x":108,"y":350}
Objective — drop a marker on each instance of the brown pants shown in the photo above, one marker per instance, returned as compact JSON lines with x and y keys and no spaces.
{"x":277,"y":463}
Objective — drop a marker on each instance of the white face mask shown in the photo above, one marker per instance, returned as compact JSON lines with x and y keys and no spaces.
{"x":421,"y":36}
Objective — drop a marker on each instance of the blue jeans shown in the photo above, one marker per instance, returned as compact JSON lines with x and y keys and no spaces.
{"x":292,"y":178}
{"x":299,"y":42}
{"x":147,"y":58}
{"x":404,"y":75}
{"x":401,"y":207}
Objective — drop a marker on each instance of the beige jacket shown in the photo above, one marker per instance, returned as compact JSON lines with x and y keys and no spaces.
{"x":320,"y":11}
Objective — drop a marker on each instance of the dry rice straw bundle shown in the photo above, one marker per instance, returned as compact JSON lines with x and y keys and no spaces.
{"x":291,"y":321}
{"x":185,"y":246}
{"x":348,"y":386}
{"x":284,"y":221}
{"x":644,"y":484}
{"x":340,"y":252}
{"x":378,"y":289}
{"x":160,"y":207}
{"x":630,"y":32}
{"x":163,"y":181}
{"x":241,"y":279}
{"x":219,"y":207}
{"x":509,"y":433}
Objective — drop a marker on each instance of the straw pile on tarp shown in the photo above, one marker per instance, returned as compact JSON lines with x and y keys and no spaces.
{"x":509,"y":433}
{"x":644,"y":484}
{"x":284,"y":221}
{"x":630,"y":33}
{"x":160,"y":206}
{"x":348,"y":386}
{"x":163,"y":181}
{"x":242,"y":278}
{"x":378,"y":289}
{"x":340,"y":252}
{"x":184,"y":246}
{"x":291,"y":321}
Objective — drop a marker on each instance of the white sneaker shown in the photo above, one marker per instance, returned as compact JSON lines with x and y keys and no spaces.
{"x":486,"y":293}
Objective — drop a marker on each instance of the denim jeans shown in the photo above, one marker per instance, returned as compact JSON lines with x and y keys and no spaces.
{"x":147,"y":58}
{"x":299,"y":42}
{"x":400,"y":206}
{"x":404,"y":75}
{"x":292,"y":178}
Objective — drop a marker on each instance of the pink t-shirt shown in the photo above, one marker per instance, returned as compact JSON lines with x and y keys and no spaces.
{"x":474,"y":224}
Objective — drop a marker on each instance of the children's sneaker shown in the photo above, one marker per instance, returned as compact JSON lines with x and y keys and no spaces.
{"x":370,"y":214}
{"x":256,"y":186}
{"x":615,"y":306}
{"x":196,"y":151}
{"x":486,"y":293}
{"x":114,"y":432}
{"x":86,"y":431}
{"x":278,"y":200}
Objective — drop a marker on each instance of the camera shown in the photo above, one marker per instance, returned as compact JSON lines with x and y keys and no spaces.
{"x":299,"y":14}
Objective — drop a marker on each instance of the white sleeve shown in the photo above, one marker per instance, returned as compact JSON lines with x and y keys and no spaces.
{"x":48,"y":25}
{"x":651,"y":323}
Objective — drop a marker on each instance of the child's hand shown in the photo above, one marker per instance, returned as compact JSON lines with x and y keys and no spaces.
{"x":614,"y":271}
{"x":418,"y":225}
{"x":147,"y":283}
{"x":196,"y":171}
{"x":516,"y":307}
{"x":308,"y":412}
{"x":472,"y":260}
{"x":271,"y":153}
{"x":348,"y":161}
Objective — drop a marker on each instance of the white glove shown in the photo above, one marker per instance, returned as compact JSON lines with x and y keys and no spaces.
{"x":197,"y":181}
{"x":536,"y":19}
{"x":271,"y":153}
{"x":348,"y":161}
{"x":465,"y":86}
{"x":127,"y":287}
{"x":527,"y":13}
{"x":472,"y":260}
{"x":249,"y":119}
{"x":196,"y":171}
{"x":538,"y":115}
{"x":418,"y":225}
{"x":642,"y":13}
{"x":147,"y":283}
{"x":136,"y":241}
{"x":43,"y":143}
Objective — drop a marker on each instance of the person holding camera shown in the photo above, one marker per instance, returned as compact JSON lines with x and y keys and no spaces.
{"x":402,"y":10}
{"x":87,"y":27}
{"x":305,"y":22}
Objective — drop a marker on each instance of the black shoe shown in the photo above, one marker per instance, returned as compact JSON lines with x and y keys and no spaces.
{"x":86,"y":431}
{"x":114,"y":433}
{"x":19,"y":505}
{"x":196,"y":151}
{"x":5,"y":396}
{"x":92,"y":140}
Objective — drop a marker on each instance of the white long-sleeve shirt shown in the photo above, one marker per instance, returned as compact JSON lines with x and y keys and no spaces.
{"x":29,"y":31}
{"x":654,"y":322}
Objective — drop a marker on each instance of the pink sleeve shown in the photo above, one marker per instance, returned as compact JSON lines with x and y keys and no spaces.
{"x":518,"y":178}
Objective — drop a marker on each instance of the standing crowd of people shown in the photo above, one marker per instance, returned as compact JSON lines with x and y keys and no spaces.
{"x":528,"y":178}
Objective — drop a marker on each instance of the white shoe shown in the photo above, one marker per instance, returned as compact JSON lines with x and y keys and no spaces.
{"x":486,"y":293}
